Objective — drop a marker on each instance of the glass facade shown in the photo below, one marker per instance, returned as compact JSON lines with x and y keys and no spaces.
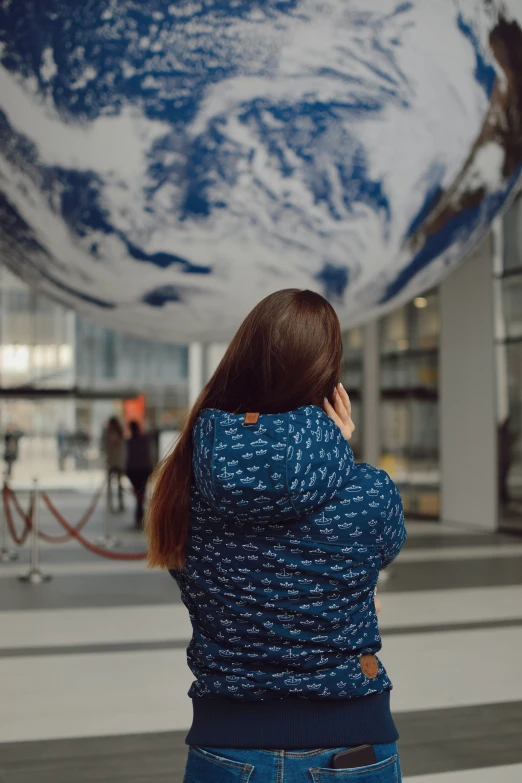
{"x":508,"y":285}
{"x":409,"y":339}
{"x":116,"y":363}
{"x":36,"y":352}
{"x":36,"y":338}
{"x":46,"y":350}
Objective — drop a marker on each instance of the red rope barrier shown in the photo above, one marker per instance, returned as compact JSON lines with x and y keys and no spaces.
{"x":81,"y":524}
{"x":27,"y":517}
{"x":84,"y":542}
{"x":8,"y":494}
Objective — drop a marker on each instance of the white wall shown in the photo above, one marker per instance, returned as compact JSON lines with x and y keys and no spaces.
{"x":215,"y":352}
{"x":467,"y":393}
{"x":196,"y":379}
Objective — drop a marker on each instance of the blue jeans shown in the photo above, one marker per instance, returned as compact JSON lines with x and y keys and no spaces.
{"x":240,"y":765}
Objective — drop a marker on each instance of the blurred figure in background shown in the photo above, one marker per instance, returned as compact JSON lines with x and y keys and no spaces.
{"x":11,"y":438}
{"x":80,"y":442}
{"x":139,"y":467}
{"x":114,"y":449}
{"x":63,"y":445}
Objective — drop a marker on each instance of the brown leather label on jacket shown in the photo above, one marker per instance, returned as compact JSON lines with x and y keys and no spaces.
{"x":251,"y":418}
{"x":369,"y":665}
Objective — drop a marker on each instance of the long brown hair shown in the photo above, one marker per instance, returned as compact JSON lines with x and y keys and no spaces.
{"x":286,"y":353}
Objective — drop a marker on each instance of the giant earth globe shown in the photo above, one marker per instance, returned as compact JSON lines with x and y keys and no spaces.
{"x":164,"y":165}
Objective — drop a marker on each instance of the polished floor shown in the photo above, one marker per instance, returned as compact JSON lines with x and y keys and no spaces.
{"x":93,"y":677}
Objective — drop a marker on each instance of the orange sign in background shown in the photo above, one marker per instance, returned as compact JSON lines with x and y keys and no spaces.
{"x":134,"y":410}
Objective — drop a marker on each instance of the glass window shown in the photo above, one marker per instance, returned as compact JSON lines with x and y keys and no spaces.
{"x":394,"y":331}
{"x":424,"y":321}
{"x":18,"y":301}
{"x":409,"y":403}
{"x":110,"y":356}
{"x":45,"y":345}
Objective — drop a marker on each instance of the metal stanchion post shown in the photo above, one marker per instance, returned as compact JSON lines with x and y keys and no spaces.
{"x":6,"y":555}
{"x":107,"y":541}
{"x":34,"y":575}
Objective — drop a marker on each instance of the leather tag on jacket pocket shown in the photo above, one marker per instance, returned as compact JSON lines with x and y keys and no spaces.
{"x":251,"y":418}
{"x":369,"y":665}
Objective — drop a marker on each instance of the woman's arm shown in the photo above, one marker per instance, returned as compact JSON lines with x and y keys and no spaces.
{"x":393,"y":531}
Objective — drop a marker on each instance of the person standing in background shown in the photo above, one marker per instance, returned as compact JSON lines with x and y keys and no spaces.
{"x":114,"y":449}
{"x":11,"y":438}
{"x":63,"y":445}
{"x":139,"y":467}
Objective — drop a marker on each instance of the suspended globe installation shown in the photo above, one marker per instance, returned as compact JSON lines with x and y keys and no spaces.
{"x":164,"y":165}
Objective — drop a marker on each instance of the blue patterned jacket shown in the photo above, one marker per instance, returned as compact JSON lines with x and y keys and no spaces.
{"x":287,"y":537}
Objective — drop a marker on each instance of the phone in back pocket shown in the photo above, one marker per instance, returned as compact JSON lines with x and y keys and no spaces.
{"x":362,"y":756}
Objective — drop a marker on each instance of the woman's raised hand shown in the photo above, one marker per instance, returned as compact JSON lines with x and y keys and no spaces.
{"x":341,"y":411}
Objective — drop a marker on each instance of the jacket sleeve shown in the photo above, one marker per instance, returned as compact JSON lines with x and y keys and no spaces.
{"x":393,"y":532}
{"x":319,"y":460}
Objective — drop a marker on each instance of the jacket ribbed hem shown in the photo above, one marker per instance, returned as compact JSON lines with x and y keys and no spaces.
{"x":292,"y":723}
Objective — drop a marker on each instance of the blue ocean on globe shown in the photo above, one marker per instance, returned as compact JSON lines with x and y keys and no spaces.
{"x":164,"y":165}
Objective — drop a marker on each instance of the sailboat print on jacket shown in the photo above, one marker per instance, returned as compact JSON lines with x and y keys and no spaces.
{"x":287,"y":536}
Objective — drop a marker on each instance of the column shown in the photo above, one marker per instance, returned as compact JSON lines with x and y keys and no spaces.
{"x":214,"y":354}
{"x":467,"y":393}
{"x":195,"y":372}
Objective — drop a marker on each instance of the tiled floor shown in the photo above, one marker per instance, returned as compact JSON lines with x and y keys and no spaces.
{"x":93,"y":677}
